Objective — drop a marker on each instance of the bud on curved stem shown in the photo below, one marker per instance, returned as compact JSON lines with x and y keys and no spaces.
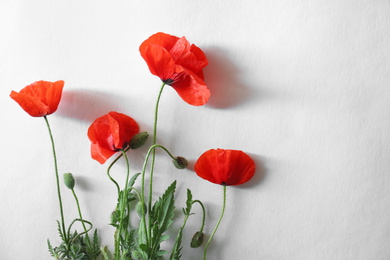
{"x":180,"y":162}
{"x":69,"y":180}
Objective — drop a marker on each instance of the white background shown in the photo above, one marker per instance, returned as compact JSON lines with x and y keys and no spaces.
{"x":301,"y":86}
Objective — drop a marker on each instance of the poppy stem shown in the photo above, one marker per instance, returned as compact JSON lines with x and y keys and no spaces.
{"x":204,"y":213}
{"x":78,"y":207}
{"x":219,"y":221}
{"x":109,"y":176}
{"x":151,"y":149}
{"x":122,"y":209}
{"x":58,"y":181}
{"x":153,"y":155}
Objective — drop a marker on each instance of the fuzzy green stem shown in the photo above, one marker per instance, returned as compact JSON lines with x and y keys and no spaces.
{"x":109,"y":176}
{"x":78,"y":207}
{"x":154,"y":154}
{"x":204,"y":213}
{"x":151,"y":149}
{"x":58,"y":181}
{"x":124,"y":199}
{"x":179,"y":234}
{"x":219,"y":221}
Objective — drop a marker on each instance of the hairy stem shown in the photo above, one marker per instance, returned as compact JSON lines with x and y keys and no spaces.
{"x":219,"y":221}
{"x":78,"y":207}
{"x":153,"y":155}
{"x":124,"y":201}
{"x":204,"y":213}
{"x":151,"y":149}
{"x":58,"y":181}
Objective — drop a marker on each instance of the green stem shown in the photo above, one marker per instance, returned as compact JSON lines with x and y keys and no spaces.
{"x":154,"y":155}
{"x":219,"y":221}
{"x":179,"y":234}
{"x":58,"y":181}
{"x":124,"y":199}
{"x":109,"y":176}
{"x":204,"y":214}
{"x":152,"y":148}
{"x":78,"y":207}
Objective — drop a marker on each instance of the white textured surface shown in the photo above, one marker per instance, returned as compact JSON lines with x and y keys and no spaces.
{"x":302,"y":86}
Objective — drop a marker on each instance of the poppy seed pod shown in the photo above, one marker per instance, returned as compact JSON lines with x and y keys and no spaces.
{"x":180,"y":162}
{"x":197,"y":239}
{"x":138,"y":140}
{"x":139,"y":208}
{"x":69,"y":180}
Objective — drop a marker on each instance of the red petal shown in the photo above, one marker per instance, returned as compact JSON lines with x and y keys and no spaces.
{"x":164,"y":40}
{"x":242,"y":168}
{"x":160,"y":62}
{"x":32,"y":105}
{"x":100,"y":154}
{"x":100,"y":133}
{"x":123,"y":128}
{"x":190,"y":87}
{"x":229,"y":167}
{"x":53,"y":95}
{"x":183,"y":55}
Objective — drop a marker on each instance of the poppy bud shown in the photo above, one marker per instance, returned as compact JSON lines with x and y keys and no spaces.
{"x":69,"y":180}
{"x":114,"y":217}
{"x":180,"y":162}
{"x":197,"y":239}
{"x":138,"y":140}
{"x":139,"y":208}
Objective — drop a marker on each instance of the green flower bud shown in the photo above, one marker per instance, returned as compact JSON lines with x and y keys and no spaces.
{"x":180,"y":162}
{"x":138,"y":140}
{"x":114,"y":217}
{"x":69,"y":180}
{"x":197,"y":239}
{"x":138,"y":208}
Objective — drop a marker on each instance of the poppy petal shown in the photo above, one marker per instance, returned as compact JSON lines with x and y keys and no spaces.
{"x":160,"y":62}
{"x":100,"y":133}
{"x":190,"y":87}
{"x":100,"y":154}
{"x":33,"y":106}
{"x":182,"y":55}
{"x":243,"y":164}
{"x":162,"y":39}
{"x":229,"y":167}
{"x":122,"y":128}
{"x":53,"y":95}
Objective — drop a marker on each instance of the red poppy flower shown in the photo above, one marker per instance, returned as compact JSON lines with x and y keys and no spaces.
{"x":39,"y":99}
{"x":110,"y":134}
{"x":225,"y":167}
{"x":178,"y":64}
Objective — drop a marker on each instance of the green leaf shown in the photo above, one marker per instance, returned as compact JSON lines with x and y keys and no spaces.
{"x":104,"y":253}
{"x":188,"y":202}
{"x":60,"y":232}
{"x":132,"y":180}
{"x":163,"y":213}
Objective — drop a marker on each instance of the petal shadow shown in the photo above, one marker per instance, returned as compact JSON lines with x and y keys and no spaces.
{"x":221,"y":77}
{"x":86,"y":105}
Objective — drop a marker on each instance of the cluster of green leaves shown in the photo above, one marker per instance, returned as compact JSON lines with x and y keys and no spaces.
{"x":141,"y":242}
{"x":75,"y":247}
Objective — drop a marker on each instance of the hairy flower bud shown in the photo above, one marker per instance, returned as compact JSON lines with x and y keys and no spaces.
{"x":138,"y":140}
{"x":139,"y":208}
{"x":197,"y":239}
{"x":114,"y":217}
{"x":180,"y":162}
{"x":69,"y":180}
